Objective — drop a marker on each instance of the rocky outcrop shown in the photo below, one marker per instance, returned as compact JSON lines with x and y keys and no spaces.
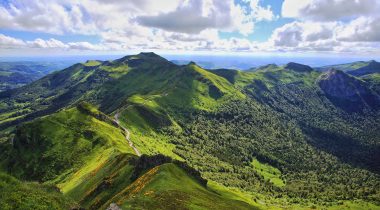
{"x":346,"y":91}
{"x":338,"y":84}
{"x":114,"y":206}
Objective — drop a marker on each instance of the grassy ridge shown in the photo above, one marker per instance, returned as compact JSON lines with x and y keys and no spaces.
{"x":94,"y":184}
{"x":49,"y":146}
{"x":169,"y":187}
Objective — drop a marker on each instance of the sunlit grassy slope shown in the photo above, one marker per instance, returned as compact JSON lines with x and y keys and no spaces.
{"x":165,"y":186}
{"x":168,"y":86}
{"x":52,"y":145}
{"x":269,"y":173}
{"x":169,"y":187}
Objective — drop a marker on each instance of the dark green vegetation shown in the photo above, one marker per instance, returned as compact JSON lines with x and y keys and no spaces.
{"x":280,"y":136}
{"x":17,"y":74}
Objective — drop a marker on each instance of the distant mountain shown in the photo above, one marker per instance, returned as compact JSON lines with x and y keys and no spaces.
{"x":288,"y":136}
{"x":204,"y":64}
{"x":17,"y":74}
{"x":265,"y":67}
{"x":298,"y":67}
{"x":360,"y":68}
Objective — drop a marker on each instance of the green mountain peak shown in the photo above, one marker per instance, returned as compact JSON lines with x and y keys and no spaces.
{"x":298,"y":67}
{"x":191,"y":63}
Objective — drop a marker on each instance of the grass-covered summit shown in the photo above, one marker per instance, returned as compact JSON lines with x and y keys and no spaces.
{"x":110,"y":84}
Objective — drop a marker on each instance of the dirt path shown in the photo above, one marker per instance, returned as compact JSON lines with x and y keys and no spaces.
{"x":127,"y":135}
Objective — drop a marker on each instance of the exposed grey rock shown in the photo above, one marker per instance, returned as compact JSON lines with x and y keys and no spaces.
{"x":347,"y":91}
{"x":338,"y":84}
{"x":113,"y":206}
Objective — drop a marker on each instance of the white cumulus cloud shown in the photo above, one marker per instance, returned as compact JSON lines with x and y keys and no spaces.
{"x":330,"y":25}
{"x":363,"y":29}
{"x":329,"y":10}
{"x":192,"y":25}
{"x":8,"y":42}
{"x":194,"y":16}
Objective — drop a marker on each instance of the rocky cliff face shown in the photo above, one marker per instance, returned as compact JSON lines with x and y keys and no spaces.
{"x":348,"y":92}
{"x":338,"y":84}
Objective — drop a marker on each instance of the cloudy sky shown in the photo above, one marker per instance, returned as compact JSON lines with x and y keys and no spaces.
{"x":47,"y":27}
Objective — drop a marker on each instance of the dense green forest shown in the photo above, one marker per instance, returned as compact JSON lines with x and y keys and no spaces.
{"x":272,"y":137}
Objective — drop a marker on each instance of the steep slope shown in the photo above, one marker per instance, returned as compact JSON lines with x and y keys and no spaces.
{"x":155,"y":182}
{"x":169,"y":187}
{"x":348,"y":92}
{"x":50,"y":146}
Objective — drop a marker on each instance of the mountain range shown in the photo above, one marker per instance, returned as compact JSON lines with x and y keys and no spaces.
{"x":15,"y":74}
{"x":141,"y":132}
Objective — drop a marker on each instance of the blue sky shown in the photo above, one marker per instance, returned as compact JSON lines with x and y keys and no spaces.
{"x":60,"y":27}
{"x":263,"y":30}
